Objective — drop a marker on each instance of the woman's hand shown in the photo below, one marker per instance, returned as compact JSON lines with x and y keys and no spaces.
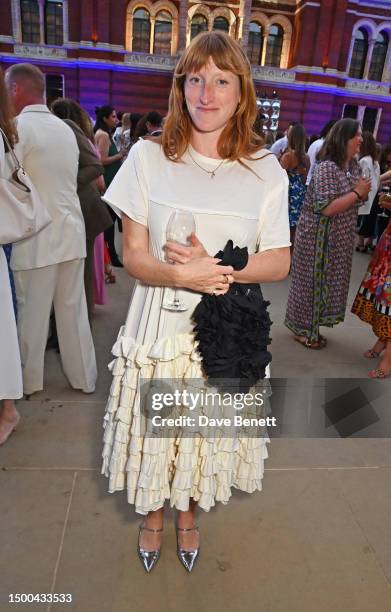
{"x":177,"y":253}
{"x":203,"y":275}
{"x":363,"y":187}
{"x":385,"y":201}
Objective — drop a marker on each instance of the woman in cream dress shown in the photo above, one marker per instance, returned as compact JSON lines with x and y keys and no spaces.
{"x":11,"y":387}
{"x":208,"y":162}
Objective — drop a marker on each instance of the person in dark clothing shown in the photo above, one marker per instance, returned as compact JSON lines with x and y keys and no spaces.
{"x":111,"y":158}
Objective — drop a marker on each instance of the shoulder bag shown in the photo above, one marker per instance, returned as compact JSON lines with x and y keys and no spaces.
{"x":22,"y":213}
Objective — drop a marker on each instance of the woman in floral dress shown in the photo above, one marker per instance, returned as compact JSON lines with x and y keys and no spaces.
{"x":322,"y":258}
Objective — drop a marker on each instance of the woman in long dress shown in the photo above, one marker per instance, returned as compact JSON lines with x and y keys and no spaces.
{"x":111,"y":158}
{"x":11,"y":387}
{"x":322,"y":257}
{"x":210,"y":163}
{"x":373,"y":300}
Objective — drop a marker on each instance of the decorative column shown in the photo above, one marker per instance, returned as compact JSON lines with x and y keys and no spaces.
{"x":182,"y":25}
{"x":244,"y":22}
{"x":65,"y":20}
{"x":16,"y":21}
{"x":152,"y":34}
{"x":264,"y":44}
{"x":371,"y":44}
{"x":41,"y":7}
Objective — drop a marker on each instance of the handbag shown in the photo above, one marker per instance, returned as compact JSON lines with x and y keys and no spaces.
{"x":232,"y":330}
{"x":22,"y":212}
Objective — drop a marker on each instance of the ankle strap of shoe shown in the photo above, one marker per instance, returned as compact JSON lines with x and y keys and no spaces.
{"x":195,"y":528}
{"x":142,"y":527}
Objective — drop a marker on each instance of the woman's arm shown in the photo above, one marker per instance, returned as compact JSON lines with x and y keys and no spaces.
{"x":385,"y":178}
{"x":348,"y":200}
{"x":202,"y":275}
{"x":100,"y":181}
{"x":268,"y":266}
{"x":287,"y":160}
{"x":265,"y":267}
{"x":102,"y":141}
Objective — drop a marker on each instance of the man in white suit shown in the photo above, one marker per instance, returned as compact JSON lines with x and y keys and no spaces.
{"x":49,"y":267}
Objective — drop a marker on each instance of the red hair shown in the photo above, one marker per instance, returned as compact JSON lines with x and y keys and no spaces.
{"x":238,"y":139}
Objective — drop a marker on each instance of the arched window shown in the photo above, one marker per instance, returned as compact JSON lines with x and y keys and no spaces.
{"x":220,"y":23}
{"x":141,"y":31}
{"x":163,"y":32}
{"x":54,"y":31}
{"x":379,"y":55}
{"x":255,"y":43}
{"x":359,"y":54}
{"x":30,"y":21}
{"x":274,"y":45}
{"x":198,"y":24}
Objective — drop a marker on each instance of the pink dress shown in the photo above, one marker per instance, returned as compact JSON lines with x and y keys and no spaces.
{"x":100,"y":296}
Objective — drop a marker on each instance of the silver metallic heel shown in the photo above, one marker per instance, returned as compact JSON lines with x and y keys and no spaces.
{"x":148,"y":558}
{"x":188,"y":558}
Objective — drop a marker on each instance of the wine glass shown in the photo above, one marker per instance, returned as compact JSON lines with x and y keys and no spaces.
{"x":179,"y":227}
{"x":385,"y":190}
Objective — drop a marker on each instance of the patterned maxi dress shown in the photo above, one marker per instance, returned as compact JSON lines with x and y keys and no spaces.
{"x":373,"y":300}
{"x":322,"y":257}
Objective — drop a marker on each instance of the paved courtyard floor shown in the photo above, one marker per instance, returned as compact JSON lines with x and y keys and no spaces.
{"x":316,"y":539}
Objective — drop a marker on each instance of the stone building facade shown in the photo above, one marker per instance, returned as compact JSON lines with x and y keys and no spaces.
{"x":324,"y":59}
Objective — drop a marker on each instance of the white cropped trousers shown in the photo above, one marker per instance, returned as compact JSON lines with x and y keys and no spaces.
{"x":60,"y":285}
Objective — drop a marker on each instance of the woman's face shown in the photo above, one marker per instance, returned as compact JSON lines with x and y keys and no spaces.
{"x":212,"y":97}
{"x":354,"y":145}
{"x":111,"y":121}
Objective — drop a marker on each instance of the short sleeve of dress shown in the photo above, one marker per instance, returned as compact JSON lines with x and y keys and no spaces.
{"x":325,"y":185}
{"x":273,"y":227}
{"x":128,"y":192}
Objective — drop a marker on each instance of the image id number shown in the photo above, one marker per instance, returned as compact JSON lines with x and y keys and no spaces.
{"x":40,"y":598}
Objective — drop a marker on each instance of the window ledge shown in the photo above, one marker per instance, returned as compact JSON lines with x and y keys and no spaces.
{"x":36,"y":50}
{"x":363,"y":85}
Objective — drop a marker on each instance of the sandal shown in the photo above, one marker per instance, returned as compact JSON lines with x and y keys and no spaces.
{"x":315,"y":345}
{"x":8,"y":430}
{"x":373,"y":353}
{"x":110,"y":278}
{"x":378,"y":373}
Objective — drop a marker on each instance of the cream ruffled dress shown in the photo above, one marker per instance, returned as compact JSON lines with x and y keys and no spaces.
{"x":157,"y":343}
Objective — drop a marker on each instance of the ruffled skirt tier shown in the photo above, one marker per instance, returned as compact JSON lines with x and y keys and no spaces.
{"x":155,"y":469}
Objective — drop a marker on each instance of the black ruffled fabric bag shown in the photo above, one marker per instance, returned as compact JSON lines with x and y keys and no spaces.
{"x":233,"y":329}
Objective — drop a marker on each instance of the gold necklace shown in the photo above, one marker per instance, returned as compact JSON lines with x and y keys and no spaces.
{"x":210,"y":172}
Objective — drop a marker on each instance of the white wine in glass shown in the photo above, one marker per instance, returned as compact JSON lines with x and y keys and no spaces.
{"x":179,"y":227}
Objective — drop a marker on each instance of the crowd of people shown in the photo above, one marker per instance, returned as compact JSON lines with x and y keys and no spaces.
{"x":337,"y":198}
{"x":57,"y":277}
{"x":309,"y":202}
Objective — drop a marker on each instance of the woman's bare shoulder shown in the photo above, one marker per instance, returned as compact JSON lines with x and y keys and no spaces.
{"x":101,"y":135}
